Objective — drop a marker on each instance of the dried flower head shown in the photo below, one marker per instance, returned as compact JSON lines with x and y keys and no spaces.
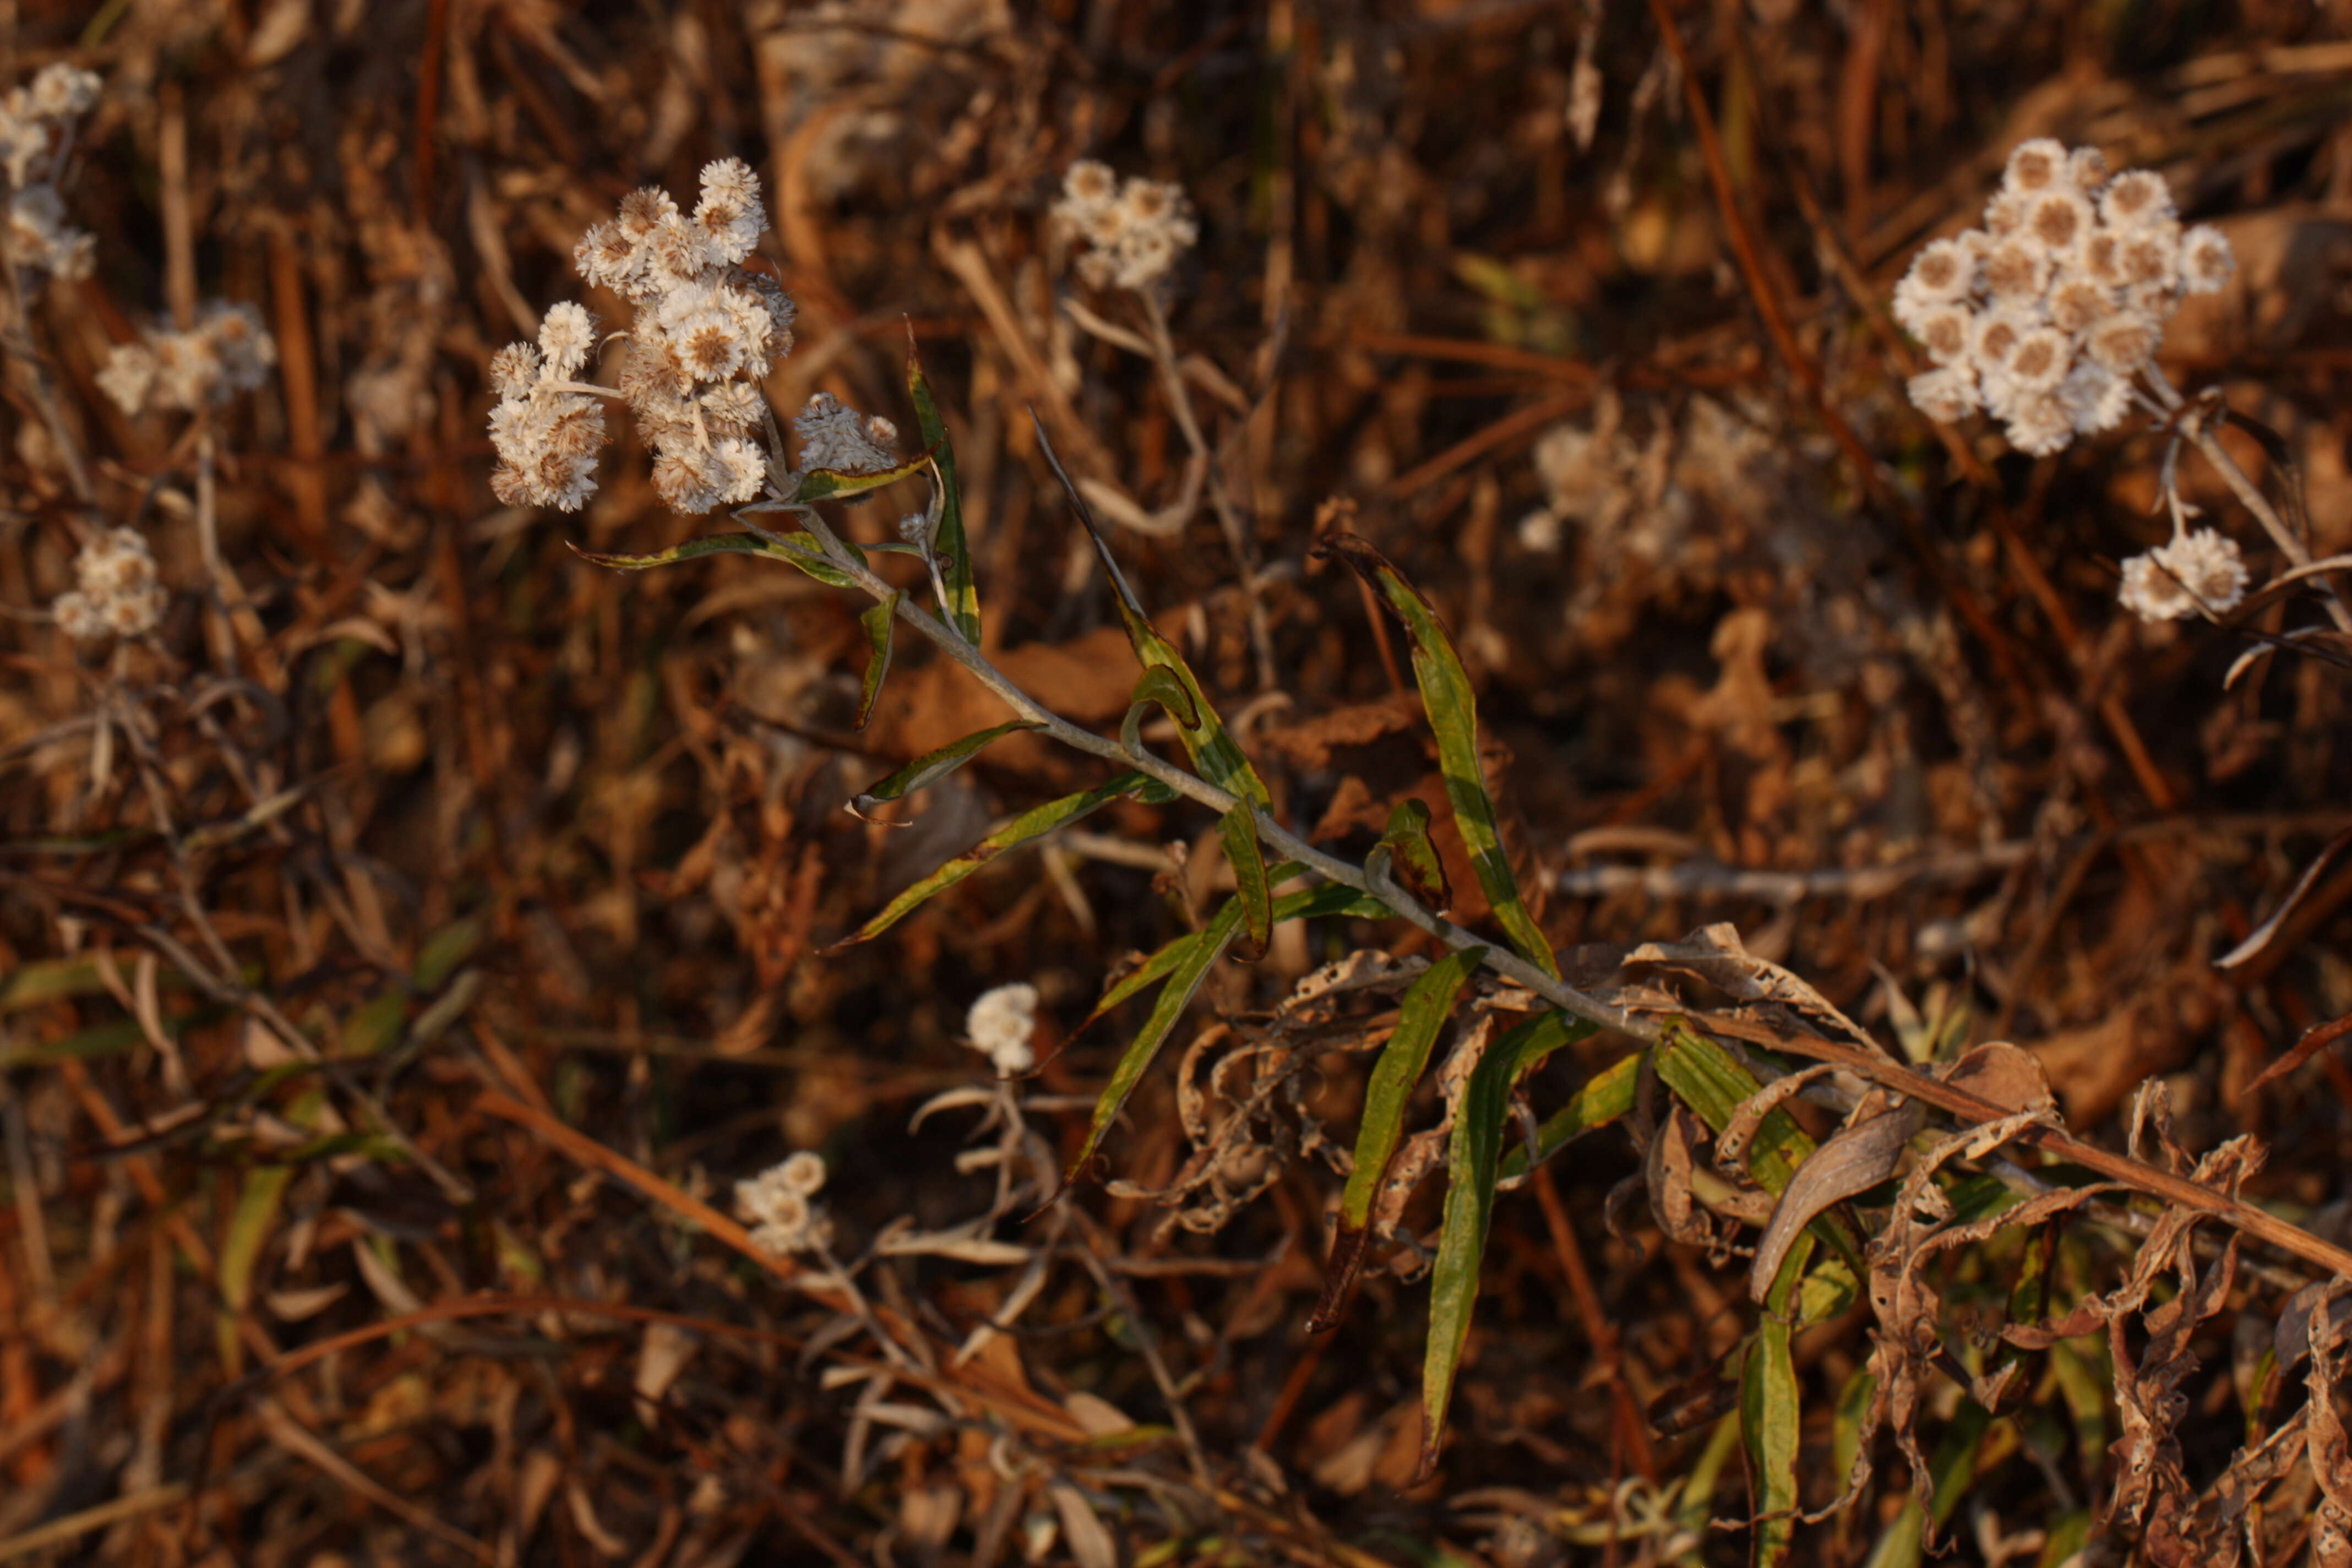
{"x":226,"y":352}
{"x":704,"y":334}
{"x":836,"y":438}
{"x":116,"y":593}
{"x":2199,"y":569}
{"x":2063,"y":295}
{"x":775,"y":1205}
{"x":1000,"y":1024}
{"x":1134,"y":232}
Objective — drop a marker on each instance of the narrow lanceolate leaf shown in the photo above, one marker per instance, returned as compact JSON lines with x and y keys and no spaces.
{"x":1706,"y":1078}
{"x":1413,"y":858}
{"x":801,"y":550}
{"x":1029,"y":824}
{"x":1452,"y":711}
{"x":1212,"y":748}
{"x":954,"y":551}
{"x":1252,"y":886}
{"x":1472,"y":1158}
{"x":878,"y":621}
{"x":837,"y":484}
{"x":1328,"y":900}
{"x":1192,"y":967}
{"x":1609,"y":1095}
{"x":1771,"y":1415}
{"x":925,"y":771}
{"x":1426,"y":1006}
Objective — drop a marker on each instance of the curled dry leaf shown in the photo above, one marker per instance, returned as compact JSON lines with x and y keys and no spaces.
{"x":1864,"y":1153}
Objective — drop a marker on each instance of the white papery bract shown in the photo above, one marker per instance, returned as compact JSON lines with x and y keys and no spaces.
{"x":775,"y":1205}
{"x":704,"y":334}
{"x":1134,"y":232}
{"x":2043,"y":317}
{"x":229,"y":350}
{"x":1000,"y":1025}
{"x":2199,"y":569}
{"x":37,"y":125}
{"x":116,"y":592}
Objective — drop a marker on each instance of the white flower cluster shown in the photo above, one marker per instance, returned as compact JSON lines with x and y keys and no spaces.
{"x":1134,"y":233}
{"x":835,"y":436}
{"x":1000,"y":1025}
{"x":2198,"y":570}
{"x":775,"y":1205}
{"x":117,"y":597}
{"x":36,"y":129}
{"x":2042,"y":317}
{"x":705,"y":332}
{"x":226,"y":352}
{"x":547,"y":428}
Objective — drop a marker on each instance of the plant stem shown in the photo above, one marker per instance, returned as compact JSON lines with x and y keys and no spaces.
{"x":1507,"y":964}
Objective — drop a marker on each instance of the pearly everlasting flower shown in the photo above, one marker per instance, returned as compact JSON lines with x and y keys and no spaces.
{"x":1000,"y":1025}
{"x":1946,"y":393}
{"x":2197,"y":570}
{"x":116,"y":593}
{"x":775,"y":1205}
{"x":2206,"y":263}
{"x":39,"y":238}
{"x":704,"y":334}
{"x":2063,"y":296}
{"x":226,"y":352}
{"x":37,"y":126}
{"x":836,"y":438}
{"x":1134,"y":232}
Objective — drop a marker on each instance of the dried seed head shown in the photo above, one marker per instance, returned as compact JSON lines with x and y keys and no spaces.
{"x":2035,"y":167}
{"x":2207,"y":263}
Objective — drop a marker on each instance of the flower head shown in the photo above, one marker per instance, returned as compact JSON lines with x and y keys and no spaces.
{"x":2197,"y":570}
{"x":1134,"y":232}
{"x":116,"y":593}
{"x":1000,"y":1024}
{"x":2046,"y":313}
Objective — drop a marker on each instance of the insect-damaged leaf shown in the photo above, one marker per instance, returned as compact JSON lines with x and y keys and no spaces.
{"x":879,"y":621}
{"x":1197,"y":955}
{"x":1426,"y":1006}
{"x":1413,"y":858}
{"x":1033,"y":824}
{"x":836,"y":484}
{"x":927,"y":769}
{"x":1472,"y":1158}
{"x":953,"y":550}
{"x":1452,"y":711}
{"x":1854,"y":1160}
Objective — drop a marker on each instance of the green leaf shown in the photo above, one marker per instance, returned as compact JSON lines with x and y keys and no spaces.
{"x":954,"y":551}
{"x":1608,"y":1096}
{"x":1192,"y":967}
{"x":1426,"y":1006}
{"x":1413,"y":858}
{"x":801,"y":550}
{"x":836,"y":484}
{"x":1212,"y":748}
{"x":927,"y":769}
{"x":1250,"y":884}
{"x":1771,"y":1415}
{"x":1452,"y":711}
{"x":1157,"y":685}
{"x":257,"y":1200}
{"x":1029,"y":824}
{"x":1160,"y":964}
{"x":1473,"y":1156}
{"x":879,"y":621}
